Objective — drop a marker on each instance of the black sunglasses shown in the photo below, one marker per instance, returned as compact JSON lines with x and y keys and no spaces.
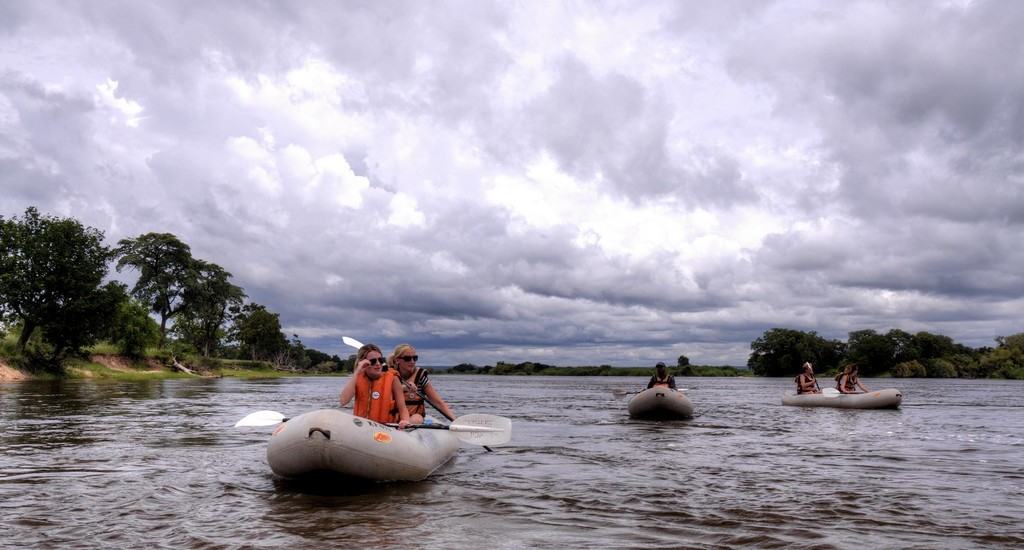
{"x":410,"y":358}
{"x":378,"y":361}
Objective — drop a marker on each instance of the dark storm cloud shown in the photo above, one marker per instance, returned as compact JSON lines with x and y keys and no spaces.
{"x":919,"y":104}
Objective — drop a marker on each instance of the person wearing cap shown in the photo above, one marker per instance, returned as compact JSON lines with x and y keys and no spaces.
{"x":805,"y":381}
{"x":662,"y":378}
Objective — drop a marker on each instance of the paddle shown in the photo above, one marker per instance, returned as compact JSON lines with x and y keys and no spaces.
{"x":261,"y":418}
{"x":478,"y":429}
{"x":349,"y":341}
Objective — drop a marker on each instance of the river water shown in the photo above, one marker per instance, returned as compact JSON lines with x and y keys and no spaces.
{"x":159,"y":464}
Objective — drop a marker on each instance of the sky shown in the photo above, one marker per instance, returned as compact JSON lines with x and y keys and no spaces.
{"x":573,"y":183}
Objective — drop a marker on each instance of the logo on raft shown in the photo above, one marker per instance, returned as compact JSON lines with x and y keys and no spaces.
{"x":381,"y":437}
{"x":278,"y":429}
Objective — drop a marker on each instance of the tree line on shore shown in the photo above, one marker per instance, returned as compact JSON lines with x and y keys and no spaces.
{"x":897,"y":353}
{"x":54,"y":304}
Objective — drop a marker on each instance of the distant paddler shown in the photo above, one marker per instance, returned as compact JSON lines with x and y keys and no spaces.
{"x":848,"y":381}
{"x":805,"y":381}
{"x":661,"y":378}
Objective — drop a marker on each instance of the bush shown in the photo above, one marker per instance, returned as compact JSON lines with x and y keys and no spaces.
{"x":941,"y":368}
{"x":909,"y":369}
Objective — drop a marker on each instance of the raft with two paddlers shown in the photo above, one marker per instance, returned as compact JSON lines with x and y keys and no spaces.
{"x":889,"y":398}
{"x":334,"y":442}
{"x":660,"y":403}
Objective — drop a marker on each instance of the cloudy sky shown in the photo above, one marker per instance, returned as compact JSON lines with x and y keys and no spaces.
{"x":567,"y":182}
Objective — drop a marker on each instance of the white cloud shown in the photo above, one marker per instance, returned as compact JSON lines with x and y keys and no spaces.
{"x":568,"y":183}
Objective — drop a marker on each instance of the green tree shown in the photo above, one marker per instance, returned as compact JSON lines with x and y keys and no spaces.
{"x":165,"y":266}
{"x":258,"y":332}
{"x":1007,"y":360}
{"x":933,"y":346}
{"x":909,"y":369}
{"x":781,"y":352}
{"x":51,"y":270}
{"x":682,"y":361}
{"x":133,"y":329}
{"x":874,"y":353}
{"x":207,"y":297}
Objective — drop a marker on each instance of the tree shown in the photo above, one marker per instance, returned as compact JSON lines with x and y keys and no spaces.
{"x":165,"y":266}
{"x":682,"y":361}
{"x":50,"y":274}
{"x":933,"y":346}
{"x":781,"y":352}
{"x":872,"y":352}
{"x":133,"y":329}
{"x":258,"y":332}
{"x":206,"y":299}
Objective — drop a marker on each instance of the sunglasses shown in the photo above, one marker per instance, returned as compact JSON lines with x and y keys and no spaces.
{"x":410,"y":358}
{"x":378,"y":361}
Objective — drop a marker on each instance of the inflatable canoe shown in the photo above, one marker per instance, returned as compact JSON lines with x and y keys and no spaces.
{"x":889,"y":398}
{"x":335,"y":442}
{"x":660,"y":404}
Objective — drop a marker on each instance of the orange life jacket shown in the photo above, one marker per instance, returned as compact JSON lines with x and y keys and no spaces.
{"x":661,"y":382}
{"x":375,"y":399}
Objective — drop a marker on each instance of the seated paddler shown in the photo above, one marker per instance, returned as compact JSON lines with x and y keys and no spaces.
{"x":661,"y":378}
{"x":378,"y":392}
{"x":805,"y":381}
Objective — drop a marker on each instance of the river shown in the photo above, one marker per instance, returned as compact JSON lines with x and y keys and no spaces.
{"x":159,"y":464}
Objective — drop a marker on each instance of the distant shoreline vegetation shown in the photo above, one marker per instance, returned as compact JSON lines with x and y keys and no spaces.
{"x":530,"y":368}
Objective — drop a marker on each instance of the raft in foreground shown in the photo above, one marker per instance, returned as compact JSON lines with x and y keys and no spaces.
{"x":334,"y":442}
{"x":889,"y":398}
{"x":660,"y":404}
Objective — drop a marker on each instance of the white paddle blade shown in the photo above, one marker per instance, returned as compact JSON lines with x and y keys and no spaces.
{"x":482,"y":429}
{"x":261,"y":418}
{"x":350,"y":341}
{"x":830,"y":392}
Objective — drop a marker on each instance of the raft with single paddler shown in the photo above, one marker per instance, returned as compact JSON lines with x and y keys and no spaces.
{"x":334,"y":442}
{"x":889,"y":398}
{"x":660,"y":403}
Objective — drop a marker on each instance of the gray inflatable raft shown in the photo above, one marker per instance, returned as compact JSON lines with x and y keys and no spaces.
{"x":660,"y":404}
{"x":335,"y":442}
{"x":889,"y":398}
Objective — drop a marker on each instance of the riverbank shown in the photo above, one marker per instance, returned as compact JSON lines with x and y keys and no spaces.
{"x":9,"y":374}
{"x":115,"y":367}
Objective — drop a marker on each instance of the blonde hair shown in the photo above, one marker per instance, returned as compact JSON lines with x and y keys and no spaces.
{"x":848,"y":369}
{"x":362,"y":352}
{"x":400,"y":349}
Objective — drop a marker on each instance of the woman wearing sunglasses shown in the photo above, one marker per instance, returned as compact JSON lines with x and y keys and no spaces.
{"x":418,"y":389}
{"x":378,"y":392}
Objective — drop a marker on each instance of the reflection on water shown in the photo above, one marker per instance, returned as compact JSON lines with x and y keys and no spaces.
{"x":128,"y":464}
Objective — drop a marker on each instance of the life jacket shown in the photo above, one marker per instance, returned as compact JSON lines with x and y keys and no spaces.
{"x":799,"y":386}
{"x":851,"y":383}
{"x":662,"y":382}
{"x":375,"y":399}
{"x":414,"y":401}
